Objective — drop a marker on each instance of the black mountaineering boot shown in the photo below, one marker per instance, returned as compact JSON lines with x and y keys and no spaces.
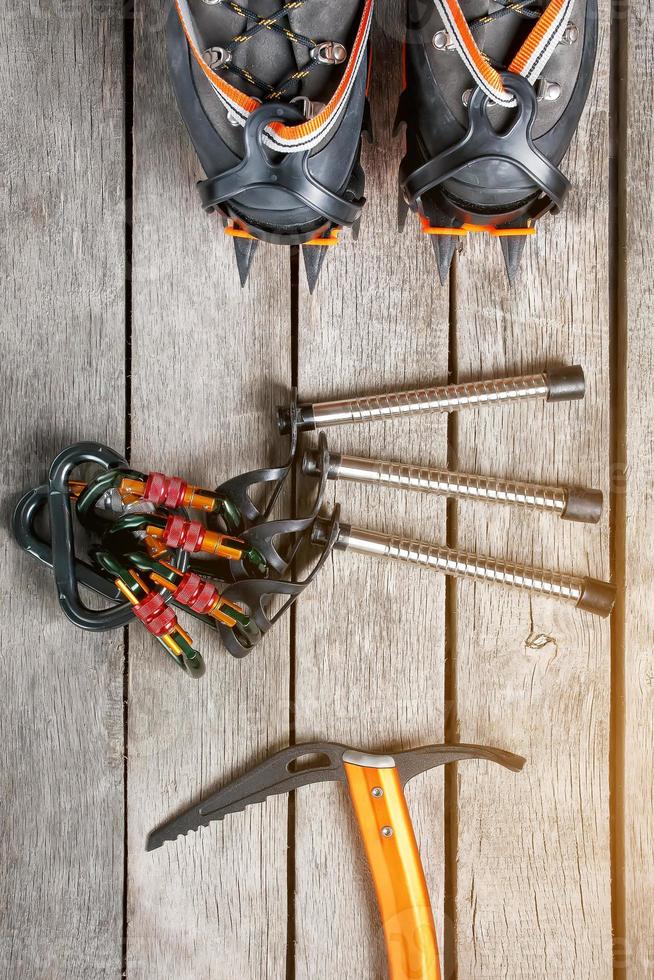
{"x":493,"y":94}
{"x":273,"y":94}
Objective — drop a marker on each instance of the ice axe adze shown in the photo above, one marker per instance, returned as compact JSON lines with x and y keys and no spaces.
{"x":376,"y":787}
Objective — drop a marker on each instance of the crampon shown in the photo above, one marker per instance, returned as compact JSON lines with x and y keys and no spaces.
{"x":273,"y":95}
{"x":493,"y":94}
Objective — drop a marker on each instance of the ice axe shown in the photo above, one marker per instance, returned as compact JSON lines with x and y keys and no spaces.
{"x":376,"y":787}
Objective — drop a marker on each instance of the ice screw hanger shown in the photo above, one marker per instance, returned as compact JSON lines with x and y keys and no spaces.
{"x":375,"y":785}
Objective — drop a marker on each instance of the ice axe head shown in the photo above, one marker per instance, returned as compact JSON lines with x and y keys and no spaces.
{"x":375,"y":784}
{"x":317,"y":762}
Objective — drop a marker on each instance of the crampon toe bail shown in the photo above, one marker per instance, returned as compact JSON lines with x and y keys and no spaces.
{"x":280,"y":154}
{"x":485,"y":130}
{"x":482,"y":149}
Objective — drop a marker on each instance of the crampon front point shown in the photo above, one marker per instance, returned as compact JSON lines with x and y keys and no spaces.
{"x":493,"y":94}
{"x":274,"y":98}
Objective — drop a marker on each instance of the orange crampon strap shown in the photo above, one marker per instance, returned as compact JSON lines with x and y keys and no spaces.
{"x":287,"y":139}
{"x":330,"y":239}
{"x":464,"y":229}
{"x":234,"y":231}
{"x":529,"y":61}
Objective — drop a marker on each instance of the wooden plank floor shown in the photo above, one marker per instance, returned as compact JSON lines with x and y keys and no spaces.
{"x":123,"y":321}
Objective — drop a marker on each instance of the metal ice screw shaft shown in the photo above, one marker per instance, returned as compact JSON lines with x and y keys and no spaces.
{"x":570,"y":503}
{"x":585,"y":593}
{"x":557,"y":385}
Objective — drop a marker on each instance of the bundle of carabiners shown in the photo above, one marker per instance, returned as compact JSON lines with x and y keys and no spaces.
{"x":150,"y":542}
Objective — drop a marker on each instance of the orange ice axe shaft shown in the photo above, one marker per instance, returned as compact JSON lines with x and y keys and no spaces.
{"x":392,"y":851}
{"x":376,"y":788}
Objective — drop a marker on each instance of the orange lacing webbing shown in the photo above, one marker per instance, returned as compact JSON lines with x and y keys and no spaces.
{"x":530,"y":59}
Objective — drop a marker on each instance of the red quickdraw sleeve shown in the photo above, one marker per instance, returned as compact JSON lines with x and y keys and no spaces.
{"x":179,"y":533}
{"x":155,"y":615}
{"x":194,"y":592}
{"x":165,"y":491}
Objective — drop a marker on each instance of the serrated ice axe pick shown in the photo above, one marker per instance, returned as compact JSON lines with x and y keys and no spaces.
{"x":376,"y":787}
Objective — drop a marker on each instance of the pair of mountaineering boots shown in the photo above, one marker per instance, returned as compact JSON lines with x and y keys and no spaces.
{"x":273,"y":95}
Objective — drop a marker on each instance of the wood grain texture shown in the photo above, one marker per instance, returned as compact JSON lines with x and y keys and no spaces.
{"x":209,"y":364}
{"x":533,"y":888}
{"x":635,"y":951}
{"x":62,"y":218}
{"x":370,"y":635}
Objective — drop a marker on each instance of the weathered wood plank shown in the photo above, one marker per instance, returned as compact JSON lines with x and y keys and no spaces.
{"x":209,"y":363}
{"x":62,"y":216}
{"x":369,"y":636}
{"x":533,"y":891}
{"x":636,"y":951}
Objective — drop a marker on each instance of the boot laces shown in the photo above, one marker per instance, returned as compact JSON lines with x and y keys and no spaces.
{"x":526,"y":9}
{"x":320,"y":52}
